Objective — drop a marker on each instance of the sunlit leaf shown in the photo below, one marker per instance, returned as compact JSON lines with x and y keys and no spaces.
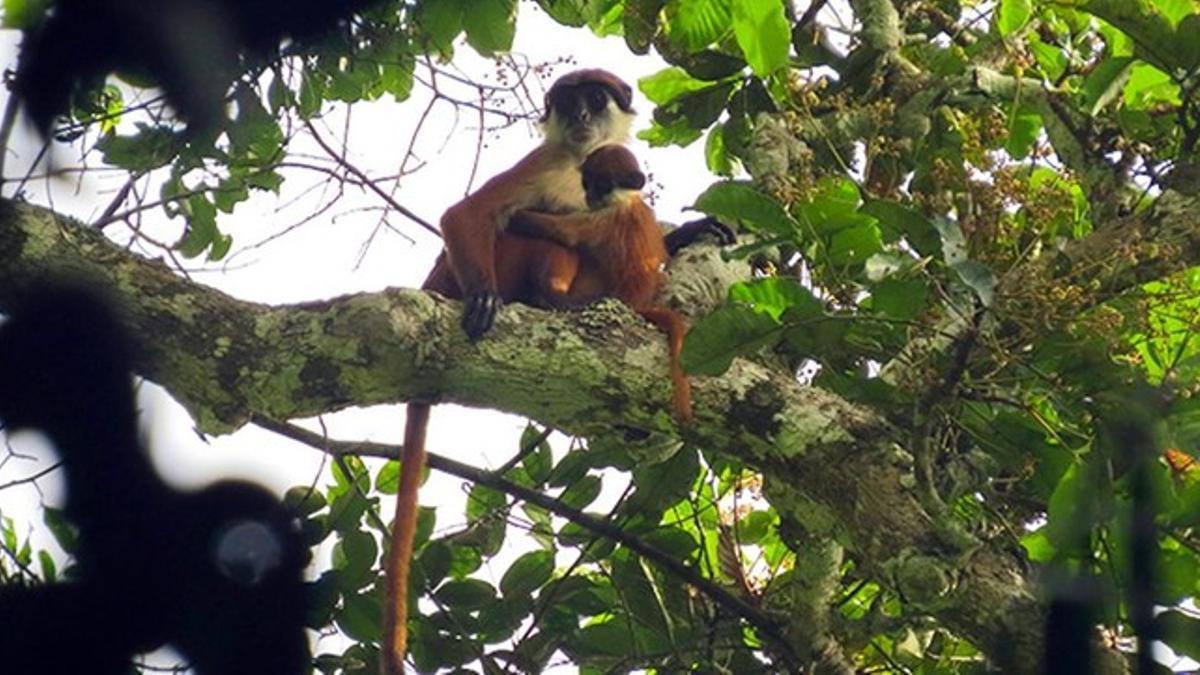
{"x":763,"y":33}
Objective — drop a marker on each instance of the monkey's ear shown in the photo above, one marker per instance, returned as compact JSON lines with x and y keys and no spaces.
{"x":621,"y":92}
{"x":632,"y":180}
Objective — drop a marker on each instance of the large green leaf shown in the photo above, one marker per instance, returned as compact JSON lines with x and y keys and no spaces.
{"x":695,"y":24}
{"x":732,"y":330}
{"x":527,"y":573}
{"x":763,"y":33}
{"x":490,"y":25}
{"x":668,"y":84}
{"x":738,"y":201}
{"x":1013,"y":15}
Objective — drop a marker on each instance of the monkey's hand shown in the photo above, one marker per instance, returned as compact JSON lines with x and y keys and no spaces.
{"x":479,"y":312}
{"x":687,"y":234}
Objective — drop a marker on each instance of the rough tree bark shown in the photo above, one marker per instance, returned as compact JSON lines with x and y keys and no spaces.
{"x":833,"y":470}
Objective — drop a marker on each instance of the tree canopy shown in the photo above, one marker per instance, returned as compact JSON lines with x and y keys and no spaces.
{"x":947,"y":383}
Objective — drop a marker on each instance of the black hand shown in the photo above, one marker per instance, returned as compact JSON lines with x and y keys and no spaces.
{"x":687,"y":233}
{"x":479,"y":312}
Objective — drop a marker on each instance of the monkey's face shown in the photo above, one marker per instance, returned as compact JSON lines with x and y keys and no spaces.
{"x":585,"y":116}
{"x":611,"y":174}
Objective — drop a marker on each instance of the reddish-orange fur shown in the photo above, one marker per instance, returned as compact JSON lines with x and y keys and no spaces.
{"x":621,"y":243}
{"x":529,"y":270}
{"x":482,"y":262}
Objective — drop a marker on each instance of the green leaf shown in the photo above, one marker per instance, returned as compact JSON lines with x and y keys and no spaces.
{"x":1038,"y":547}
{"x":732,"y":330}
{"x":490,"y":25}
{"x":1071,"y":511}
{"x":854,"y":245}
{"x":698,"y":108}
{"x":387,"y":481}
{"x":674,"y":541}
{"x":312,"y":94}
{"x":49,"y":569}
{"x":465,"y":560}
{"x":441,"y":21}
{"x":303,"y":500}
{"x":582,"y":492}
{"x":527,"y":573}
{"x":900,"y":299}
{"x":674,"y":131}
{"x":978,"y":278}
{"x":355,"y":553}
{"x":1105,"y":83}
{"x":640,"y":23}
{"x":148,"y":149}
{"x":716,"y":157}
{"x":255,"y":135}
{"x":278,"y":94}
{"x":24,"y":14}
{"x":64,"y":532}
{"x":1024,"y":126}
{"x":581,"y":595}
{"x":468,"y":594}
{"x":610,"y":639}
{"x":540,"y":461}
{"x":220,"y":247}
{"x":1181,"y":632}
{"x":668,"y":84}
{"x":1051,"y":58}
{"x":201,"y":231}
{"x":776,"y":295}
{"x":695,"y":24}
{"x":1175,"y":11}
{"x":1148,"y":86}
{"x":566,"y":12}
{"x":361,"y":617}
{"x":738,"y":201}
{"x":396,"y":75}
{"x":1013,"y":15}
{"x":433,"y":564}
{"x":914,"y":227}
{"x":1152,"y":33}
{"x":1187,"y":48}
{"x":763,"y":33}
{"x":755,"y":526}
{"x":483,"y":502}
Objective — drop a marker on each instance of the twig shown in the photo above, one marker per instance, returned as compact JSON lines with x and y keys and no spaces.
{"x":753,"y":615}
{"x":368,"y":182}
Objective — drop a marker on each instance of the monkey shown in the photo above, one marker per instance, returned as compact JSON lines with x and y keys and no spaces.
{"x":485,"y":264}
{"x":622,"y":247}
{"x":547,"y":273}
{"x":584,"y":110}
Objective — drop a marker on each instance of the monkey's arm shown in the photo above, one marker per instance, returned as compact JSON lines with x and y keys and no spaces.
{"x":469,"y":228}
{"x":686,"y":234}
{"x":584,"y":228}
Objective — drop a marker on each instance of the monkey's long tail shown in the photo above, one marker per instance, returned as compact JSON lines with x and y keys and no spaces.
{"x":670,"y":322}
{"x":404,"y":527}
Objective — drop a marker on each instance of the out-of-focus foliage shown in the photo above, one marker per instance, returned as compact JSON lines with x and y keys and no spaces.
{"x":911,"y":178}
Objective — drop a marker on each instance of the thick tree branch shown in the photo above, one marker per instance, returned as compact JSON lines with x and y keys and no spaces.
{"x":839,"y":470}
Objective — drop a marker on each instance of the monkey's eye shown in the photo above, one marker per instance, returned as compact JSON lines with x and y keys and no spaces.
{"x":597,"y":99}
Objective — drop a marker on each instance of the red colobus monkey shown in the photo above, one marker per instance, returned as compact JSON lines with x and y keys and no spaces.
{"x":585,"y":109}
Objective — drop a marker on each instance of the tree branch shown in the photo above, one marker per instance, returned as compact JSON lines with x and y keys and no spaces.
{"x":837,"y":469}
{"x":495,"y":480}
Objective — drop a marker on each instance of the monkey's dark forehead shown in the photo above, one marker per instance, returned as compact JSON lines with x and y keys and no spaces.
{"x":618,"y":89}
